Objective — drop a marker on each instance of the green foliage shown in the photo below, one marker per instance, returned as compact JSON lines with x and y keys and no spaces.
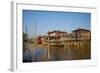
{"x":25,"y":37}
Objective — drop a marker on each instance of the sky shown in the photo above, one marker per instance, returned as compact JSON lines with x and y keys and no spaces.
{"x":40,"y":22}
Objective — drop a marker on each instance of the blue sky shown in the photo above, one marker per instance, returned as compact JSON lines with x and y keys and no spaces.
{"x":50,"y":20}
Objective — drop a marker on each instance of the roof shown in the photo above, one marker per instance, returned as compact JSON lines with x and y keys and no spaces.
{"x":81,"y":29}
{"x":57,"y":31}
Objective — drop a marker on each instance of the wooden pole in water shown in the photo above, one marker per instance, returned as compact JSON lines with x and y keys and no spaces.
{"x":35,"y":32}
{"x":34,"y":38}
{"x":28,"y":42}
{"x":48,"y":48}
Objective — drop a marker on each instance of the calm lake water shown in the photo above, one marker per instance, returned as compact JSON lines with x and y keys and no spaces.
{"x":40,"y":54}
{"x":36,"y":55}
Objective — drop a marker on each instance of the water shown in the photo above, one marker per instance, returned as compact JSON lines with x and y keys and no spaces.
{"x":35,"y":55}
{"x":40,"y":54}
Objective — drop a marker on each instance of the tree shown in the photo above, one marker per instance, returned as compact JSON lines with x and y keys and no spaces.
{"x":25,"y":37}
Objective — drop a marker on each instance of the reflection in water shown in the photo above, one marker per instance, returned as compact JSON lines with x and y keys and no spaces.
{"x":40,"y":54}
{"x":37,"y":55}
